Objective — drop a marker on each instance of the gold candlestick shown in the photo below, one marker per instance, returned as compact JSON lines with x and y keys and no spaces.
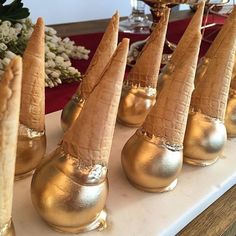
{"x":69,"y":190}
{"x":31,"y":144}
{"x":10,"y":90}
{"x":105,"y":50}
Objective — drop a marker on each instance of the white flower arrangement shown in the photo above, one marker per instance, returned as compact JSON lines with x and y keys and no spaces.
{"x":13,"y":40}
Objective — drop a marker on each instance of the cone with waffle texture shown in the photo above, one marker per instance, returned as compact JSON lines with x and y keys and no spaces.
{"x":146,"y":69}
{"x":79,"y":165}
{"x":206,"y":134}
{"x":152,"y":157}
{"x":211,"y":94}
{"x":92,"y":76}
{"x":90,"y":137}
{"x":10,"y":90}
{"x":31,"y":144}
{"x":33,"y":95}
{"x":139,"y":89}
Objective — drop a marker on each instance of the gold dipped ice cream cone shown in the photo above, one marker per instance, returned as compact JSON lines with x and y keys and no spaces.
{"x":206,"y":134}
{"x":69,"y":190}
{"x":10,"y":90}
{"x":31,"y":144}
{"x":152,"y":158}
{"x":139,"y":90}
{"x":100,"y":59}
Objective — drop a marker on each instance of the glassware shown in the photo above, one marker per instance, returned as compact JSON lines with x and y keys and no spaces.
{"x":137,"y":21}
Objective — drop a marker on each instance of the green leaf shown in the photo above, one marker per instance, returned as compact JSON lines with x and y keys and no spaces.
{"x":13,"y":11}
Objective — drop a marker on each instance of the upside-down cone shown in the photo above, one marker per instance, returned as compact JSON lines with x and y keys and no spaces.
{"x":90,"y":137}
{"x":32,"y":112}
{"x":211,"y":93}
{"x":10,"y":90}
{"x":146,"y":69}
{"x":168,"y":117}
{"x":101,"y":57}
{"x":194,"y":25}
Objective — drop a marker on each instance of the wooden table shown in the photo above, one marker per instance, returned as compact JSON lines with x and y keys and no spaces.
{"x":218,"y":219}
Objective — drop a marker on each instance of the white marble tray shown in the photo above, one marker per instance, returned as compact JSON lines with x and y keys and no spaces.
{"x":133,"y":212}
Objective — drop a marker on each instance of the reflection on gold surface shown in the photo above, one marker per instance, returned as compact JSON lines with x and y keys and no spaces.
{"x":204,"y":140}
{"x":71,"y":111}
{"x":150,"y":164}
{"x":31,"y":147}
{"x":69,"y":195}
{"x":135,"y":103}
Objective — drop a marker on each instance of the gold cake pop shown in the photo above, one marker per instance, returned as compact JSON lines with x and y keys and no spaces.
{"x":152,"y":158}
{"x":105,"y":50}
{"x":139,"y":90}
{"x":31,"y":144}
{"x":10,"y":90}
{"x":206,"y":134}
{"x":69,"y":190}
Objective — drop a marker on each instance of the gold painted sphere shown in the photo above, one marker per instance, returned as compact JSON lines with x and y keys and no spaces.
{"x":67,"y":196}
{"x":30,"y":151}
{"x":135,"y":104}
{"x":230,"y":117}
{"x":149,"y":165}
{"x":204,"y":140}
{"x":71,"y":111}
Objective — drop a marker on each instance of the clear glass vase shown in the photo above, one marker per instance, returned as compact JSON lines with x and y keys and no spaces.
{"x":137,"y":22}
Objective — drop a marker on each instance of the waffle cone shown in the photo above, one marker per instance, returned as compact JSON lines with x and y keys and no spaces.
{"x":10,"y":90}
{"x":90,"y":137}
{"x":220,"y":36}
{"x":193,"y":27}
{"x":32,"y":111}
{"x":233,"y":81}
{"x":168,"y":117}
{"x":101,"y":57}
{"x":211,"y":94}
{"x":145,"y":71}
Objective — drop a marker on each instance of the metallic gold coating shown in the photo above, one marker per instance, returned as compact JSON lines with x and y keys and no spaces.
{"x":150,"y":164}
{"x":8,"y":229}
{"x":69,"y":195}
{"x":204,"y":140}
{"x":135,"y":104}
{"x":71,"y":111}
{"x":230,"y":115}
{"x":31,"y":147}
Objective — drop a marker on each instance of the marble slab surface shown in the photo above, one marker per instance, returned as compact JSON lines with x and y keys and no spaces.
{"x":131,"y":211}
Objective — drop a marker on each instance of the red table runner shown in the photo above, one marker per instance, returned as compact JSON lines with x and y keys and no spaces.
{"x":57,"y":97}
